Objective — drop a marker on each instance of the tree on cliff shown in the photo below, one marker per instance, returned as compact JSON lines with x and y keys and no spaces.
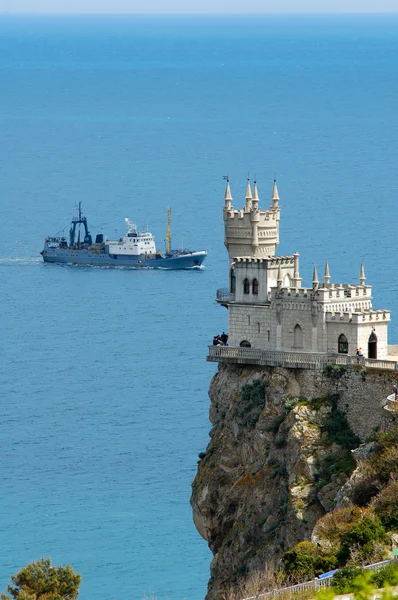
{"x":41,"y":580}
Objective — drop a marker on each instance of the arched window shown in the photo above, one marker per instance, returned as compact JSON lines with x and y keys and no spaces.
{"x":342,"y":344}
{"x":372,"y":345}
{"x":246,"y":286}
{"x":232,"y":286}
{"x":245,"y":344}
{"x":298,"y":337}
{"x":255,"y":287}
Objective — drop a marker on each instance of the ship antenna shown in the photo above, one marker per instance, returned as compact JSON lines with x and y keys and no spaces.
{"x":168,"y":234}
{"x":80,"y":211}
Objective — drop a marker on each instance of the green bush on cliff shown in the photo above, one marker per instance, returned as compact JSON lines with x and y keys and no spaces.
{"x":346,"y":579}
{"x":367,"y":539}
{"x":305,"y":561}
{"x":252,"y":401}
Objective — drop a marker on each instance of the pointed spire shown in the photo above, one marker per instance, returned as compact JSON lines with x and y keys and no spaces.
{"x":228,"y":197}
{"x":255,"y":196}
{"x":248,"y":196}
{"x":275,"y":194}
{"x":315,"y":280}
{"x":255,"y":191}
{"x":362,"y":277}
{"x":227,"y":192}
{"x":326,"y":277}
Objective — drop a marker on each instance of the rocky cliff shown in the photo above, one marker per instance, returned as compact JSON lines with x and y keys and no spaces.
{"x":278,"y":458}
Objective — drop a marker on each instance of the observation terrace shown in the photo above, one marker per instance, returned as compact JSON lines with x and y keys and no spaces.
{"x":297,"y":360}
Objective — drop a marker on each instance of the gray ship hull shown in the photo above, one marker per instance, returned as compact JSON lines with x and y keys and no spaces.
{"x":83,"y":256}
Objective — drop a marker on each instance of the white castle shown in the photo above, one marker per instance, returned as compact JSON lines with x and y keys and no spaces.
{"x":269,"y":309}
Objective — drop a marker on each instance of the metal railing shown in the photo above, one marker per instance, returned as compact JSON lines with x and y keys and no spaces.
{"x":314,"y":584}
{"x":291,"y":359}
{"x":223,"y":294}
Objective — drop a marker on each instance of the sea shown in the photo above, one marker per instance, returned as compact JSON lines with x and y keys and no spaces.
{"x":103,"y":373}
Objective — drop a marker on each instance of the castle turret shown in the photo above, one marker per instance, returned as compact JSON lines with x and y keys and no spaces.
{"x":251,"y":232}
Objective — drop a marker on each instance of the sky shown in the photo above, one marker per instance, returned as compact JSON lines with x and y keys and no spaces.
{"x":198,"y":6}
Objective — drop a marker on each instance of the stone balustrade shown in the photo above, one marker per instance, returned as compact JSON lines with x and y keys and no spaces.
{"x":291,"y":359}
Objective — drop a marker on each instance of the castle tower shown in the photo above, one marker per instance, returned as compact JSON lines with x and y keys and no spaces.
{"x":251,"y":232}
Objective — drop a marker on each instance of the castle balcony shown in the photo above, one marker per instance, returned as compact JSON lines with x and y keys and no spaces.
{"x":223,"y":296}
{"x":291,"y":359}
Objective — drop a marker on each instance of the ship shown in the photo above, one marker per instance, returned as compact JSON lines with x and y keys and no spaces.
{"x":135,"y":250}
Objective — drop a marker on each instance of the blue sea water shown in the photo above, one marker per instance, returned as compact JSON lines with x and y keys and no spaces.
{"x":103,"y":379}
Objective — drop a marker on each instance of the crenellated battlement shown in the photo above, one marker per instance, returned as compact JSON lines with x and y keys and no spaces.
{"x":251,"y":231}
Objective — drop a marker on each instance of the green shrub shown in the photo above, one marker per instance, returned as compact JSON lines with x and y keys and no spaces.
{"x":306,"y":560}
{"x":363,"y":536}
{"x":252,"y":401}
{"x":387,"y":575}
{"x":343,"y":580}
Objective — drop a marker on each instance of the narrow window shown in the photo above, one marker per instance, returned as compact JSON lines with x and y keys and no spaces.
{"x":255,"y":287}
{"x":258,"y":327}
{"x":232,"y":287}
{"x":342,"y":344}
{"x":268,"y":335}
{"x":246,"y":286}
{"x":372,"y":345}
{"x":248,"y":319}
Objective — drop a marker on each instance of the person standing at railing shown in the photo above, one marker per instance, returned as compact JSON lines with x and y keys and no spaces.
{"x":395,"y":388}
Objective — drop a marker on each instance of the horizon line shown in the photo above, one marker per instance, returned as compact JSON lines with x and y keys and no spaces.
{"x":199,"y":14}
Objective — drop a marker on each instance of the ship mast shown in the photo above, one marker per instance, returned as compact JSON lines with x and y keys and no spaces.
{"x":168,"y":234}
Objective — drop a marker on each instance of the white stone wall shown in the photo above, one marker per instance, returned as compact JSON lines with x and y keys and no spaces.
{"x":251,"y":322}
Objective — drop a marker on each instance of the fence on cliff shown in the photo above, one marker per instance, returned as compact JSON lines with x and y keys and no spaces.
{"x":314,"y":585}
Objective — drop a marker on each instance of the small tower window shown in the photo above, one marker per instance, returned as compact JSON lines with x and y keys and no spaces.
{"x":343,"y":344}
{"x":255,"y":287}
{"x":268,"y":335}
{"x":232,"y":287}
{"x":246,"y":286}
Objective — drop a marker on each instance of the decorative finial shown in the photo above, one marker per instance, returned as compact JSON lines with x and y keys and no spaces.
{"x":362,"y":277}
{"x":326,"y":277}
{"x":275,"y":194}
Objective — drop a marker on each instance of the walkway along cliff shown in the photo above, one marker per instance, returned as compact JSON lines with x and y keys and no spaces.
{"x":303,"y":383}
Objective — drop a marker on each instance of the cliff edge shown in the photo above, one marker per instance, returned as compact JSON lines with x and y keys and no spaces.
{"x":279,"y":458}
